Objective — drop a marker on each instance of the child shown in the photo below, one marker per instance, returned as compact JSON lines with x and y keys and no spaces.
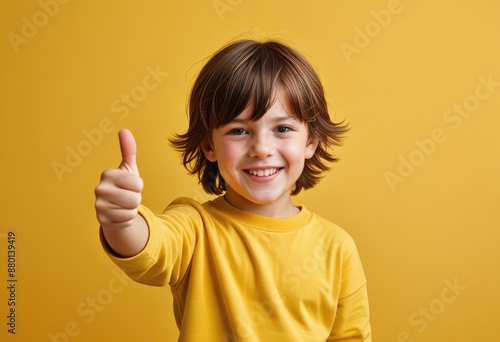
{"x":248,"y":265}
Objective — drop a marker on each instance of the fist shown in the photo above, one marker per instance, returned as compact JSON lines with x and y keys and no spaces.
{"x":118,"y":194}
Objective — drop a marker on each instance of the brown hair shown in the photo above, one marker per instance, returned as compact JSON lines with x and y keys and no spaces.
{"x":250,"y":71}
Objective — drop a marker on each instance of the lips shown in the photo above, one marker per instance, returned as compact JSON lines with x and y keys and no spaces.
{"x":263,"y":172}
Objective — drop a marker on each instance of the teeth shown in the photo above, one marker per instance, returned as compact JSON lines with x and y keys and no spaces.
{"x":263,"y":173}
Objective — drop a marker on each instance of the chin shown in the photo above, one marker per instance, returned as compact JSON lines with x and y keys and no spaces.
{"x":262,"y":200}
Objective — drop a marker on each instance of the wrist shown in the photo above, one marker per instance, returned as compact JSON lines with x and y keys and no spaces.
{"x":128,"y":241}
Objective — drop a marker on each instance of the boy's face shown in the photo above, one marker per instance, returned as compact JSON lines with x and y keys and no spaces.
{"x":261,"y":160}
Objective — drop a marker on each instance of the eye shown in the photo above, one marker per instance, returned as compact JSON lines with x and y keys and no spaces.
{"x":237,"y":131}
{"x":283,"y":129}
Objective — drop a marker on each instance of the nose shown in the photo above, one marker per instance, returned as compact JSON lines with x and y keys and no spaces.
{"x":261,"y":146}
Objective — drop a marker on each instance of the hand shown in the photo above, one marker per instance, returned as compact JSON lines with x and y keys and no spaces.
{"x":118,"y":195}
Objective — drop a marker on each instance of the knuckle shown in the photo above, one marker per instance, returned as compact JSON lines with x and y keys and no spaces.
{"x":106,"y":174}
{"x":102,"y":219}
{"x":130,"y":215}
{"x":98,"y":190}
{"x":140,"y":183}
{"x":135,"y":182}
{"x":136,"y":200}
{"x":99,"y":205}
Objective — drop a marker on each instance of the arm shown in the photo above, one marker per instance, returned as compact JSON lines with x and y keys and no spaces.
{"x":352,"y":321}
{"x":118,"y":195}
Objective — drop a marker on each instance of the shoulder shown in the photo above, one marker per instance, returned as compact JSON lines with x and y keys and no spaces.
{"x":341,"y":247}
{"x":334,"y":240}
{"x":186,"y":204}
{"x":188,"y":207}
{"x":330,"y":228}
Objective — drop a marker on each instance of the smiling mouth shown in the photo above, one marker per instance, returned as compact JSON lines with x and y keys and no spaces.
{"x":263,"y":172}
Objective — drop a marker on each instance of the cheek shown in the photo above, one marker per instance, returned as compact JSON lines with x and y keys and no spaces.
{"x":295,"y":150}
{"x":294,"y":157}
{"x":228,"y":154}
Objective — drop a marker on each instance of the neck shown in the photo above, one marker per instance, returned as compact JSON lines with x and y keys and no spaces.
{"x":278,"y":209}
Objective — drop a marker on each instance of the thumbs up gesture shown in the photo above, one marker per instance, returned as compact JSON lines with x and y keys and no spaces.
{"x":118,"y":194}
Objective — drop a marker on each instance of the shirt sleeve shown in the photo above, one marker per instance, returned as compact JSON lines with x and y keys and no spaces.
{"x":352,"y":321}
{"x":352,"y":317}
{"x":167,"y":254}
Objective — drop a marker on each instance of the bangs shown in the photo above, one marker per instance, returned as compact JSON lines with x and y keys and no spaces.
{"x":253,"y":74}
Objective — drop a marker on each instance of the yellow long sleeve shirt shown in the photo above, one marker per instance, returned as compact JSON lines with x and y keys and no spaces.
{"x":236,"y":276}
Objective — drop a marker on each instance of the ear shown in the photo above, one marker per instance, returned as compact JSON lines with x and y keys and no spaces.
{"x":208,"y":150}
{"x":312,"y":144}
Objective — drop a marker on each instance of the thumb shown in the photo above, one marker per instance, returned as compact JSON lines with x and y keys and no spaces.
{"x":128,"y":150}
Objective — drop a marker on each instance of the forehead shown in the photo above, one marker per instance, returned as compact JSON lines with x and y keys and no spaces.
{"x":279,"y":110}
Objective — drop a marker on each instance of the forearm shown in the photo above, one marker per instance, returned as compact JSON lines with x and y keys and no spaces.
{"x":130,"y":241}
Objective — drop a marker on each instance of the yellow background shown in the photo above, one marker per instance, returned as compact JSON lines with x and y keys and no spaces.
{"x":429,"y":241}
